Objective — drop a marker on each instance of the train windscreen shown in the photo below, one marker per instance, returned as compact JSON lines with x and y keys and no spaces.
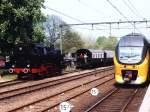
{"x":130,"y":55}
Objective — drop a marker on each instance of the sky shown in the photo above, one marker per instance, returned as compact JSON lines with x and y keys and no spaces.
{"x":91,"y":11}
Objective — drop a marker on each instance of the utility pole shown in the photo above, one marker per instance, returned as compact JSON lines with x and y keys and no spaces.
{"x":110,"y":30}
{"x":134,"y":26}
{"x":61,"y":39}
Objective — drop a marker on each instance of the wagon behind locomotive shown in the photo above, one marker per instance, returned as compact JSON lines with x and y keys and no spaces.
{"x":89,"y":58}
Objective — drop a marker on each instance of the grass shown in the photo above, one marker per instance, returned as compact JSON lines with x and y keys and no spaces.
{"x":6,"y":77}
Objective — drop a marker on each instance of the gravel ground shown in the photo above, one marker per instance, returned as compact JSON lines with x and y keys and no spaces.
{"x":60,"y":98}
{"x":85,"y":100}
{"x":136,"y":102}
{"x":17,"y":101}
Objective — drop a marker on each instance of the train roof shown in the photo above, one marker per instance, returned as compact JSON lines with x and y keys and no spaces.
{"x":94,"y":50}
{"x":133,"y":39}
{"x":30,"y":44}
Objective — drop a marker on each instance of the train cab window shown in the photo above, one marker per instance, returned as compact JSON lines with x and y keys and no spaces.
{"x":40,"y":50}
{"x":34,"y":51}
{"x":130,"y":55}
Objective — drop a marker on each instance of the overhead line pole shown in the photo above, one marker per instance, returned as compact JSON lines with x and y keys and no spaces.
{"x":98,"y":23}
{"x":110,"y":30}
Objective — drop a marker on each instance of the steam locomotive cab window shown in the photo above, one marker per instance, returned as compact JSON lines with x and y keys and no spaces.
{"x":40,"y":50}
{"x":130,"y":55}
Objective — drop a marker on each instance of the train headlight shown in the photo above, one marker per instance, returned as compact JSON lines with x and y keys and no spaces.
{"x":20,"y":48}
{"x":28,"y":65}
{"x":25,"y":70}
{"x":10,"y":70}
{"x":13,"y":66}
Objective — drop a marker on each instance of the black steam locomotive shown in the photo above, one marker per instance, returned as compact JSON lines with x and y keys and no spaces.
{"x":35,"y":60}
{"x":89,"y":58}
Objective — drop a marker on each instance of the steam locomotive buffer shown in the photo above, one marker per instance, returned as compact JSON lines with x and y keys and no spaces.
{"x":97,"y":85}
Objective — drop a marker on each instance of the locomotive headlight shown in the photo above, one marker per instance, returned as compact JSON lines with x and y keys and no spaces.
{"x":28,"y":65}
{"x":10,"y":70}
{"x":25,"y":70}
{"x":13,"y":66}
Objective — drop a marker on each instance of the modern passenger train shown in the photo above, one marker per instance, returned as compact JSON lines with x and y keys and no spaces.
{"x":132,"y":59}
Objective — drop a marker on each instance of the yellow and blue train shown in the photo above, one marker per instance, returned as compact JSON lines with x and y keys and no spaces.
{"x":132,"y":59}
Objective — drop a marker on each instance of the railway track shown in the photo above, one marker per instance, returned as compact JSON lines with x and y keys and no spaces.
{"x":46,"y":100}
{"x":78,"y":94}
{"x":16,"y":81}
{"x":7,"y":93}
{"x":55,"y":83}
{"x":116,"y":100}
{"x":9,"y":83}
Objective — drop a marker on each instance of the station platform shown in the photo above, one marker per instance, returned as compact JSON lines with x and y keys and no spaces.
{"x":145,"y":106}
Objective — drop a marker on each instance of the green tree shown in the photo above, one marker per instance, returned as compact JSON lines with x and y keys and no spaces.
{"x":71,"y":42}
{"x":52,"y":29}
{"x":101,"y":40}
{"x":106,"y":43}
{"x":110,"y":44}
{"x":19,"y":18}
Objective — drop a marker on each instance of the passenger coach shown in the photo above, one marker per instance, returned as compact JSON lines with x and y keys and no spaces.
{"x":89,"y":58}
{"x":131,"y":59}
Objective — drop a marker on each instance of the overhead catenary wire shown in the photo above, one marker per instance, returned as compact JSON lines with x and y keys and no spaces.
{"x":92,"y":8}
{"x":73,"y":18}
{"x":115,"y":22}
{"x":135,"y":9}
{"x":131,"y":9}
{"x":121,"y":28}
{"x":133,"y":24}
